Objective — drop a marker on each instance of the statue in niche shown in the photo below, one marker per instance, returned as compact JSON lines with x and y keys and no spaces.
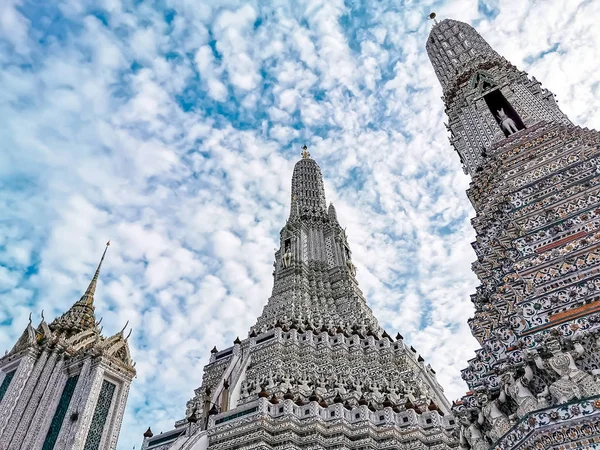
{"x":270,"y":381}
{"x":357,"y":386}
{"x":392,"y":392}
{"x":507,"y":123}
{"x":573,"y":382}
{"x":286,"y":260}
{"x":471,"y":434}
{"x":244,"y":394}
{"x":517,"y":389}
{"x":351,"y":267}
{"x":490,"y":411}
{"x":376,"y":393}
{"x":410,"y":391}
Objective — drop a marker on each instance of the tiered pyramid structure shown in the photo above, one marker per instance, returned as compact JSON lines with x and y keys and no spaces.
{"x":316,"y":371}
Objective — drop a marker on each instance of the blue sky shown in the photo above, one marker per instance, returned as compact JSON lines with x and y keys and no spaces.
{"x":171,"y":127}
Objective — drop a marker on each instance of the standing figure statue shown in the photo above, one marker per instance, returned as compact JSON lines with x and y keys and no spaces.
{"x":506,"y":122}
{"x":304,"y":387}
{"x":321,"y":385}
{"x":244,"y":393}
{"x":340,"y":385}
{"x":517,"y":389}
{"x":471,"y":434}
{"x":490,"y":411}
{"x":573,"y":382}
{"x":286,"y":260}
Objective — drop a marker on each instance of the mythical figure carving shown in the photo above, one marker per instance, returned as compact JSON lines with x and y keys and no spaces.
{"x":471,"y":434}
{"x":517,"y":389}
{"x":490,"y":411}
{"x":191,"y":408}
{"x":351,"y":267}
{"x":573,"y":382}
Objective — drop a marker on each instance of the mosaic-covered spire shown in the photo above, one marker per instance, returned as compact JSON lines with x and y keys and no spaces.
{"x":316,"y":354}
{"x":314,"y":247}
{"x":455,"y":46}
{"x":308,"y":191}
{"x":534,"y":189}
{"x":487,"y":98}
{"x":81,"y":315}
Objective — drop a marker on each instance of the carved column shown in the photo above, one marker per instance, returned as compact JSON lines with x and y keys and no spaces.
{"x":14,"y":390}
{"x":117,"y":419}
{"x":43,"y":414}
{"x":32,"y":404}
{"x":19,"y":394}
{"x":68,"y":429}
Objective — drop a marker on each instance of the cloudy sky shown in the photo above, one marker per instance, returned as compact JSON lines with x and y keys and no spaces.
{"x":172,"y":127}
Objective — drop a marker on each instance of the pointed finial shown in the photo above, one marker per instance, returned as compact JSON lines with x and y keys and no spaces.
{"x":89,"y":293}
{"x":129,"y":334}
{"x":30,"y":319}
{"x":43,"y":318}
{"x":123,"y":330}
{"x":100,"y":321}
{"x":305,"y":154}
{"x":432,"y":16}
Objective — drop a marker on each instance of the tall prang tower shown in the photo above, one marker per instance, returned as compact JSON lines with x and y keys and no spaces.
{"x":63,"y":386}
{"x":316,"y":371}
{"x":535,"y":189}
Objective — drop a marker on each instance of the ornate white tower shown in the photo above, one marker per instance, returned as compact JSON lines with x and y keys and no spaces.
{"x":535,"y":381}
{"x":64,"y":386}
{"x":486,"y":97}
{"x":316,"y":370}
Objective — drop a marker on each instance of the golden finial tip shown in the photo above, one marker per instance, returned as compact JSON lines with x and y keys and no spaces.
{"x":108,"y":243}
{"x":305,"y":153}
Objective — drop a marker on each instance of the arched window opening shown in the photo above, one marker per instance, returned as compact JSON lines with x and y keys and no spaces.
{"x":506,"y":117}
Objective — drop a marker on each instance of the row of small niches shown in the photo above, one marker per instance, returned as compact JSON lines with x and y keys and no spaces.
{"x":321,"y":339}
{"x":357,"y":414}
{"x":324,"y":338}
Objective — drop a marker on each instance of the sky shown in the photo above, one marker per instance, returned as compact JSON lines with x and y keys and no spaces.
{"x":171,"y":127}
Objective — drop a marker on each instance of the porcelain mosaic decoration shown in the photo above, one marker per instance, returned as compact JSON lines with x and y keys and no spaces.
{"x":535,"y":381}
{"x":316,"y":370}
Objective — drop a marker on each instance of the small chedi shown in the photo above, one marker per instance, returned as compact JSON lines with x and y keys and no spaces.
{"x":64,"y":386}
{"x":536,"y":192}
{"x":316,"y":371}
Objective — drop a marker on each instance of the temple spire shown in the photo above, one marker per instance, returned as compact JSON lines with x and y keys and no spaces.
{"x":81,"y":315}
{"x":308,"y":191}
{"x":88,"y":296}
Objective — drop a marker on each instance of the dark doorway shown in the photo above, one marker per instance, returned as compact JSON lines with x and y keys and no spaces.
{"x":496,"y":102}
